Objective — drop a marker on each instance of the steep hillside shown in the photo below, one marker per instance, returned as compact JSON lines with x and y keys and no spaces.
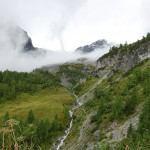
{"x":106,"y":116}
{"x":112,"y":106}
{"x":124,"y":57}
{"x":72,"y":73}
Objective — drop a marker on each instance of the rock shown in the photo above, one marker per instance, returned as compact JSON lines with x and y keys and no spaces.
{"x":18,"y":37}
{"x":122,"y":60}
{"x":96,"y":135}
{"x":96,"y":45}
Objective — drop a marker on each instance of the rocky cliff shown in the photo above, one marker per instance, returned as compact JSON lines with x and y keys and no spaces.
{"x":96,"y":45}
{"x":122,"y":60}
{"x":19,"y":39}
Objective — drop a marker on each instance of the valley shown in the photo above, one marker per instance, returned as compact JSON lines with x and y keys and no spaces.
{"x":98,"y":105}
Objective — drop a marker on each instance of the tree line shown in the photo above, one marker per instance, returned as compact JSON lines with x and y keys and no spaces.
{"x":13,"y":83}
{"x":124,"y":47}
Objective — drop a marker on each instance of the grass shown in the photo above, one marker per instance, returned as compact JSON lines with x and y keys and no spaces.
{"x":85,"y":87}
{"x":45,"y":104}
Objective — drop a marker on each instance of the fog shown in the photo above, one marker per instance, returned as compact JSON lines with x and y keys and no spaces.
{"x":28,"y":14}
{"x":15,"y":60}
{"x":12,"y":56}
{"x":62,"y":25}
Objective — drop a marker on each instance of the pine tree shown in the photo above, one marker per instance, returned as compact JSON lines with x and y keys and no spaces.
{"x":47,"y":129}
{"x":6,"y":117}
{"x":30,"y":118}
{"x":146,"y":88}
{"x":130,"y":131}
{"x":40,"y":132}
{"x":6,"y":77}
{"x":1,"y":76}
{"x":118,"y":108}
{"x":144,"y":119}
{"x":130,"y":104}
{"x":55,"y":125}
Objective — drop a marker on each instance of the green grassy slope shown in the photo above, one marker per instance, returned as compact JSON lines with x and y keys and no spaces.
{"x":116,"y":100}
{"x":33,"y":106}
{"x":45,"y":104}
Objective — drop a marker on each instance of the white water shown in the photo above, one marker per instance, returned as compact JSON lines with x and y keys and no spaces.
{"x":61,"y":140}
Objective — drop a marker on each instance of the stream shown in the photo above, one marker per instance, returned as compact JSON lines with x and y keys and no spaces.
{"x":61,"y":139}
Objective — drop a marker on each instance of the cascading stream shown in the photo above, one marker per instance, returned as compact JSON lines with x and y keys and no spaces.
{"x":61,"y":140}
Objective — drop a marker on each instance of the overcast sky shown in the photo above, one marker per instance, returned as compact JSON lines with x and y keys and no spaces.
{"x":67,"y":24}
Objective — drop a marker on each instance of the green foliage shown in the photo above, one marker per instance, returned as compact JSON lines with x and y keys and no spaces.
{"x":6,"y":117}
{"x":82,"y":88}
{"x":56,"y":124}
{"x":144,"y":119}
{"x":146,"y":89}
{"x":127,"y":47}
{"x":43,"y":132}
{"x":103,"y":108}
{"x":121,"y":97}
{"x":13,"y":83}
{"x":130,"y":132}
{"x":1,"y":76}
{"x":30,"y":118}
{"x":73,"y":72}
{"x":35,"y":135}
{"x":99,"y":93}
{"x":130,"y":104}
{"x":117,"y":109}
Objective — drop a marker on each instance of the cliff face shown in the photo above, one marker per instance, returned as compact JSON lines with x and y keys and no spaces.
{"x":19,"y":37}
{"x":122,"y":60}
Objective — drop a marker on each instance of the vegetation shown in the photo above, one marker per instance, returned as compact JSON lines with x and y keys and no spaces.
{"x":34,"y":109}
{"x":138,"y":138}
{"x":84,"y":87}
{"x":14,"y":83}
{"x":74,"y":73}
{"x":116,"y":100}
{"x":122,"y":97}
{"x":31,"y":134}
{"x":34,"y":106}
{"x":127,"y":47}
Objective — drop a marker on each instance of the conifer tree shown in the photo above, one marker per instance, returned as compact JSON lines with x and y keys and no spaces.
{"x":1,"y":76}
{"x":130,"y":131}
{"x":144,"y":119}
{"x":30,"y":118}
{"x":6,"y":117}
{"x":118,"y":108}
{"x":55,"y":125}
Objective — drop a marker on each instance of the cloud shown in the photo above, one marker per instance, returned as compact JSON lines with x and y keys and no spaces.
{"x":145,"y":15}
{"x":67,"y":24}
{"x":45,"y":18}
{"x":48,"y":18}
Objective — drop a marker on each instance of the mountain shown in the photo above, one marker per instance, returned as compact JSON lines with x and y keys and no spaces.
{"x":94,"y":46}
{"x":114,"y":108}
{"x":80,"y":105}
{"x":15,"y":38}
{"x":28,"y":45}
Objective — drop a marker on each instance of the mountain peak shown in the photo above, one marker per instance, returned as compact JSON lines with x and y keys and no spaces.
{"x":27,"y":42}
{"x":93,"y":46}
